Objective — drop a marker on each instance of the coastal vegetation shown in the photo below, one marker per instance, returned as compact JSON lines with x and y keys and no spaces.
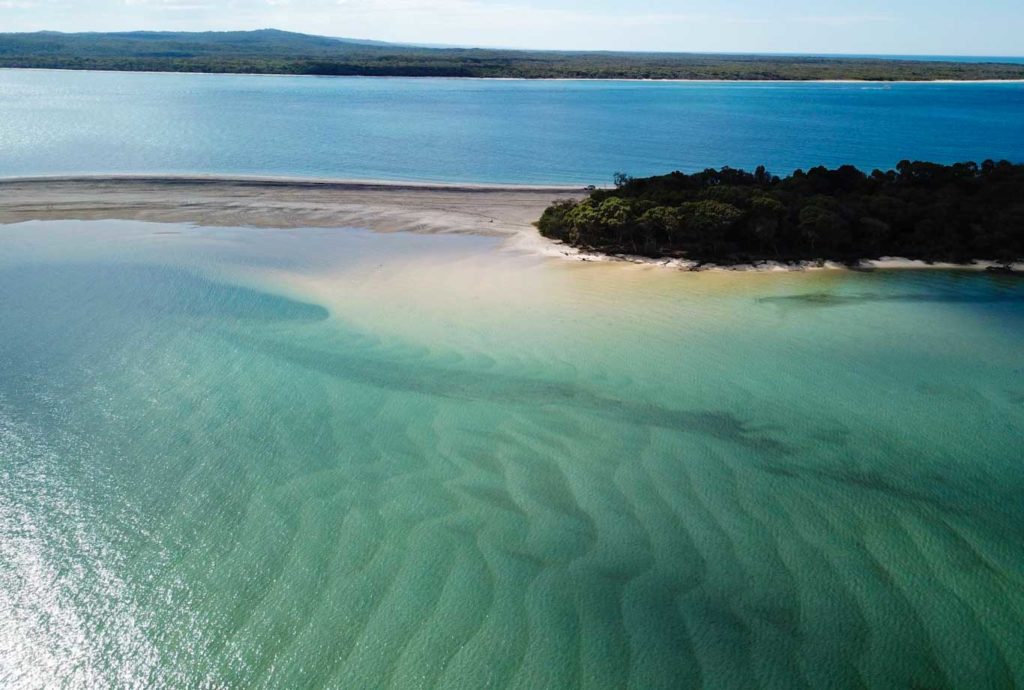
{"x":925,"y":211}
{"x":279,"y":52}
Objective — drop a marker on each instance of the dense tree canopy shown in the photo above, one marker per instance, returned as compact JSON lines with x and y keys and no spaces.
{"x":281,"y":52}
{"x":920,"y":210}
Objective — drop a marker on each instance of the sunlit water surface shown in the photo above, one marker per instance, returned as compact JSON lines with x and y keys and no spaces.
{"x":332,"y":458}
{"x":54,"y":123}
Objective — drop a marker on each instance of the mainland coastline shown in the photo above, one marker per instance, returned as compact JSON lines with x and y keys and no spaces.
{"x":271,"y":51}
{"x":880,"y":83}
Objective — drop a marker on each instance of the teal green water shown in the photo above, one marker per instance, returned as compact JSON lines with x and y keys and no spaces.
{"x":331,"y":458}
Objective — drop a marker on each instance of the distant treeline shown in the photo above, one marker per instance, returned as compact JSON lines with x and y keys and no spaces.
{"x":920,"y":211}
{"x":280,"y":52}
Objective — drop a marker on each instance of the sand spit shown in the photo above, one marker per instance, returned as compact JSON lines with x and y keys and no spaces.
{"x":282,"y":203}
{"x":497,"y":210}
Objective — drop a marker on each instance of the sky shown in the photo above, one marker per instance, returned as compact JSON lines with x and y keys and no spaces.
{"x":905,"y":27}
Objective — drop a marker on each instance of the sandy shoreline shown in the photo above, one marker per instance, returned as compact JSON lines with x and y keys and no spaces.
{"x":882,"y":263}
{"x":502,"y":210}
{"x":543,"y":79}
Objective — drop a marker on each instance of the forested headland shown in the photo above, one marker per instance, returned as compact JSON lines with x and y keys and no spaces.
{"x":949,"y":213}
{"x":280,"y":52}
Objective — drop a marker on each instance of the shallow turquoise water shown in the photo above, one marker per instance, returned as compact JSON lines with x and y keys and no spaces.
{"x":485,"y":131}
{"x":329,"y":458}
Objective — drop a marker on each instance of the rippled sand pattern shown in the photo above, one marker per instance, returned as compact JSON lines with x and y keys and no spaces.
{"x":329,"y":459}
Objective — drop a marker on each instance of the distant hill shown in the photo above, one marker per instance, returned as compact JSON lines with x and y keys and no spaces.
{"x":146,"y":44}
{"x":270,"y":51}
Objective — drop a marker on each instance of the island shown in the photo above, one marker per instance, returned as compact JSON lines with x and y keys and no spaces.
{"x":958,"y":213}
{"x":271,"y":51}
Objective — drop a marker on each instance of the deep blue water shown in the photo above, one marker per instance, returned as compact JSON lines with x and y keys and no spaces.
{"x":55,"y":122}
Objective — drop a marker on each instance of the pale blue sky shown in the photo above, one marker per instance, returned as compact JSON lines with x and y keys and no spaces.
{"x":944,"y":27}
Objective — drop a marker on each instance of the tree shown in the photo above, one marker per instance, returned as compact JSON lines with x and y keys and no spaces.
{"x":659,"y":226}
{"x":766,"y":216}
{"x":922,"y":210}
{"x":554,"y":222}
{"x":819,"y":224}
{"x":707,"y":220}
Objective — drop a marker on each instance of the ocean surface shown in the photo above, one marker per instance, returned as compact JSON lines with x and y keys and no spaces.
{"x":54,"y":122}
{"x":332,"y":458}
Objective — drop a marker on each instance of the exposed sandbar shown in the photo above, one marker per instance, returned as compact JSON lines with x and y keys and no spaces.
{"x":282,"y":203}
